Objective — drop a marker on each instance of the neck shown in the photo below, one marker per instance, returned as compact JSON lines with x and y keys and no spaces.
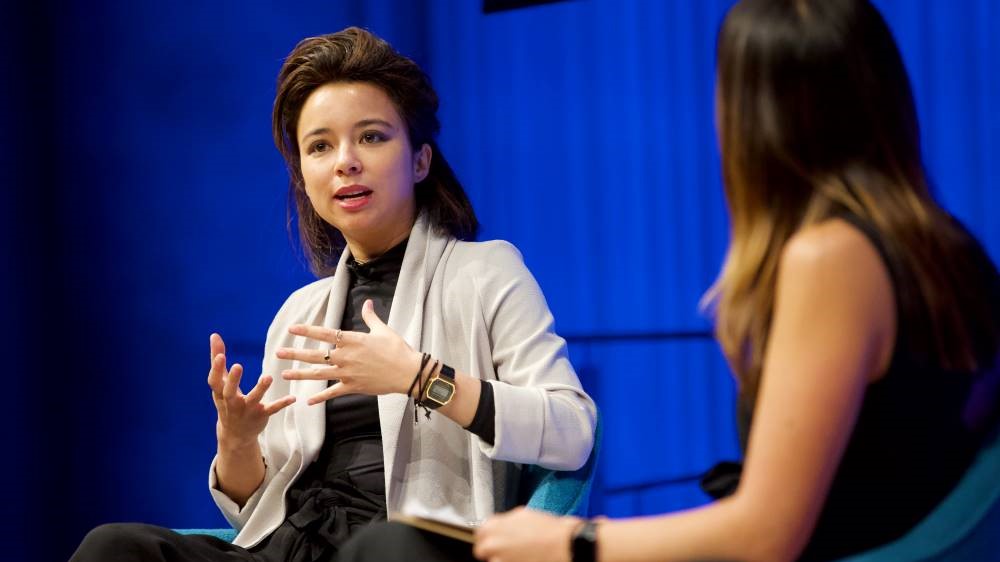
{"x":367,"y":250}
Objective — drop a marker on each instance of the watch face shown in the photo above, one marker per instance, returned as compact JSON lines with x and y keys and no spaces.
{"x":440,"y":391}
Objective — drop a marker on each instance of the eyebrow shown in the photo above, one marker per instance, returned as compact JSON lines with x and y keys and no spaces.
{"x":359,"y":125}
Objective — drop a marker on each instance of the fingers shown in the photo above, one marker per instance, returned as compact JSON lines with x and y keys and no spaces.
{"x":216,"y":374}
{"x":369,"y":315}
{"x":216,"y":345}
{"x":257,"y":392}
{"x":317,"y":374}
{"x":334,"y":339}
{"x":484,"y":546}
{"x":231,"y":388}
{"x":322,"y":334}
{"x":314,"y":356}
{"x":330,"y":393}
{"x":278,"y":405}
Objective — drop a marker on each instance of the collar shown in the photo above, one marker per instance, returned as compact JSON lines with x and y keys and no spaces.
{"x":380,"y":267}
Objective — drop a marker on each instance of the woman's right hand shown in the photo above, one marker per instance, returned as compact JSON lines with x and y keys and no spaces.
{"x":241,"y":416}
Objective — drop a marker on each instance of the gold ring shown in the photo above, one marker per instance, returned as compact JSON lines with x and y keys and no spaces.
{"x":337,"y":342}
{"x":326,"y":358}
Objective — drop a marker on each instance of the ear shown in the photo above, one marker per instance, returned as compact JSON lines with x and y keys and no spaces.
{"x":422,"y":163}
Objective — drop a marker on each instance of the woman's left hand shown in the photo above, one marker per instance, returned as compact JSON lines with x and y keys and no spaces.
{"x":525,"y":535}
{"x":379,"y":362}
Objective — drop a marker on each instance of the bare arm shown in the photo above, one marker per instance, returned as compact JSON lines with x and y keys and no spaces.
{"x":239,"y":468}
{"x":833,"y":332}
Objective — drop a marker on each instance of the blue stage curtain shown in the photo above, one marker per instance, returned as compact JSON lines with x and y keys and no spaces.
{"x":145,"y":208}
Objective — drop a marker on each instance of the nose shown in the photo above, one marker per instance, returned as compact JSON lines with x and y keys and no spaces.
{"x":348,"y":163}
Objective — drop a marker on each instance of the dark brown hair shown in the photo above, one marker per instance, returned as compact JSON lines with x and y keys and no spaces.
{"x":356,"y":55}
{"x":816,"y":118}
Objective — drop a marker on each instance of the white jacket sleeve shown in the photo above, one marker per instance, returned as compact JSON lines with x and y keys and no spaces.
{"x":543,"y":416}
{"x":236,"y":516}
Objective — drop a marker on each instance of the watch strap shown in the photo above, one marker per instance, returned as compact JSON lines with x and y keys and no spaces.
{"x":447,"y":372}
{"x":583,"y":544}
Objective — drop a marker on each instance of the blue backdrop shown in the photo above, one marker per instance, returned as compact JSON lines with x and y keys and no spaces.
{"x":145,"y":208}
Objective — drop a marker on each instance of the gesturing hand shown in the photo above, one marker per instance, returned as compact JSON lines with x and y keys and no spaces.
{"x":379,"y":362}
{"x":241,"y":416}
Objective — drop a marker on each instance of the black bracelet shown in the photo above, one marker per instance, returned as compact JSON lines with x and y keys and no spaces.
{"x":424,"y":359}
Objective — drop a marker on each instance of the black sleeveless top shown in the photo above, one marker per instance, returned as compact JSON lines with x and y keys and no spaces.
{"x":911,"y":443}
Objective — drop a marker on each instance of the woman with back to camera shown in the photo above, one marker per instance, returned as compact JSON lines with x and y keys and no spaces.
{"x":339,"y":429}
{"x":859,"y":317}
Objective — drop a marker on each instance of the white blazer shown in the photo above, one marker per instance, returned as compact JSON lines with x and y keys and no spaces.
{"x":474,"y":306}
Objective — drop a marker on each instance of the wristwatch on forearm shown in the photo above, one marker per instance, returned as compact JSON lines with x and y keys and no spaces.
{"x":583,"y":544}
{"x":439,"y":390}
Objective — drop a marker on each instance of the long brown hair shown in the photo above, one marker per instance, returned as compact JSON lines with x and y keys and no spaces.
{"x":816,"y":118}
{"x":356,"y":55}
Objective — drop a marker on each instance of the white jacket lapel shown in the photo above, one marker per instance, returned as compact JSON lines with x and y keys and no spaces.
{"x":406,"y":317}
{"x":311,"y":420}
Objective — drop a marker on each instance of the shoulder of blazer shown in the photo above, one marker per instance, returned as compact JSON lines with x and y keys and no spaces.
{"x":482,"y":257}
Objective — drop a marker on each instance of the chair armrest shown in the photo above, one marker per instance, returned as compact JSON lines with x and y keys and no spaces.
{"x":224,"y":534}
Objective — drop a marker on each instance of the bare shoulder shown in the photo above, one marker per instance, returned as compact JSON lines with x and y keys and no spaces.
{"x":833,"y":270}
{"x":833,"y":247}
